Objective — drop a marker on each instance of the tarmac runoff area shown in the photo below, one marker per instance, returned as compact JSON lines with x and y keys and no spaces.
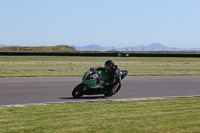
{"x":26,"y":91}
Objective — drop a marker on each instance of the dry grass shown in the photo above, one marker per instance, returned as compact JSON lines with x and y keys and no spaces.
{"x":16,"y":66}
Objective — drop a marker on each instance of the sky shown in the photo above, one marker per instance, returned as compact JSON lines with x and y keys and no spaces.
{"x":116,"y":23}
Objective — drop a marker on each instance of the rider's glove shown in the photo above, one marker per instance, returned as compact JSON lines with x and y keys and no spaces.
{"x":91,"y":69}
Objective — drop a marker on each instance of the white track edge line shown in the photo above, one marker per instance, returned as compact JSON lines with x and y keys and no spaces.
{"x":101,"y":100}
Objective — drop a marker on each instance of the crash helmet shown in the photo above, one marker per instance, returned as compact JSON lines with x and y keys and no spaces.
{"x":109,"y":66}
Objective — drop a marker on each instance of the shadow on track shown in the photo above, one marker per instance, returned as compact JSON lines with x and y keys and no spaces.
{"x":87,"y":97}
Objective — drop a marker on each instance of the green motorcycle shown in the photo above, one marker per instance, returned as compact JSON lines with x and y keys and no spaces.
{"x":92,"y":84}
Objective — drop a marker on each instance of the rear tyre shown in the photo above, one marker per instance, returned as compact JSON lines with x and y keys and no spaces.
{"x":108,"y":94}
{"x":112,"y":90}
{"x":78,"y":91}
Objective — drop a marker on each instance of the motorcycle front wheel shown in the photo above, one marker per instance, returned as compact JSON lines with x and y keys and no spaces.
{"x":78,"y":91}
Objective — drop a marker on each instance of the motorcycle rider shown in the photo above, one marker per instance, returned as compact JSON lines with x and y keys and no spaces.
{"x":114,"y":82}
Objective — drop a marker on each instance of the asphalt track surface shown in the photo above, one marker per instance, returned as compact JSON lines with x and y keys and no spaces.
{"x":23,"y":90}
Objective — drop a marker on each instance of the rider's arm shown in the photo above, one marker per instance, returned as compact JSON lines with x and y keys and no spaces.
{"x":96,"y":68}
{"x":99,"y":68}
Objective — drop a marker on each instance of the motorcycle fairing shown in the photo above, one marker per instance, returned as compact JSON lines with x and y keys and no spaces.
{"x":91,"y":79}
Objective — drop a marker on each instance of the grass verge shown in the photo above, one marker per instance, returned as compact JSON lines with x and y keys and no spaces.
{"x":34,"y":66}
{"x":166,"y":115}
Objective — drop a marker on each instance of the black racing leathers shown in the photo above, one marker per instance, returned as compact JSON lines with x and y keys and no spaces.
{"x":113,"y":84}
{"x":115,"y":76}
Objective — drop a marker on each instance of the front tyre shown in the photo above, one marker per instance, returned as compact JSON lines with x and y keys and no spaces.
{"x":78,"y":91}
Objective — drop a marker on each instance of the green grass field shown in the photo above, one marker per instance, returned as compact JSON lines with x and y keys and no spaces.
{"x":181,"y":115}
{"x":26,"y":66}
{"x":150,"y":116}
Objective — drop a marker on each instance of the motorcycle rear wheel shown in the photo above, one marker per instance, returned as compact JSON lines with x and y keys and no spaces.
{"x":111,"y":92}
{"x":78,"y":91}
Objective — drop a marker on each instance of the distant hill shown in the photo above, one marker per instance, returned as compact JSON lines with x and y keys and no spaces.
{"x":59,"y":48}
{"x":92,"y":47}
{"x":154,"y":47}
{"x":151,"y":47}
